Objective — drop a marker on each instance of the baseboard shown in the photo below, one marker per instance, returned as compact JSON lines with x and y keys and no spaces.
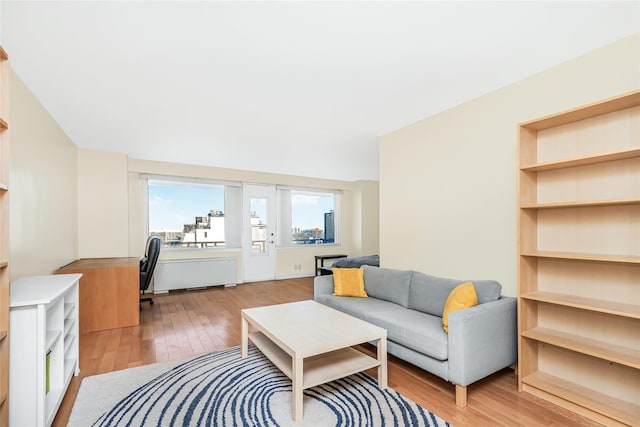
{"x":199,"y":288}
{"x":294,"y":276}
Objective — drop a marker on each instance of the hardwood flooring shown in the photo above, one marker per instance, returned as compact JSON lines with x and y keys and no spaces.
{"x":185,"y":324}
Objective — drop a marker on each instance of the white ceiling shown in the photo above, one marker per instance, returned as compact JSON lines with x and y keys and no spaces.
{"x":301,"y":88}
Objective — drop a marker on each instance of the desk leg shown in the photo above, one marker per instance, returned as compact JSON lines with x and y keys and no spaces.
{"x":297,"y":386}
{"x":382,"y":358}
{"x":244,"y":340}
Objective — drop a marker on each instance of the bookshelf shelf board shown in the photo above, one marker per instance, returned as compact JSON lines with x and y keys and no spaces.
{"x":68,"y":309}
{"x":619,"y":410}
{"x":3,"y":398}
{"x":3,"y":335}
{"x":68,"y":324}
{"x":610,"y":352}
{"x":68,"y":343}
{"x":591,"y":304}
{"x":3,"y":124}
{"x":599,"y":108}
{"x":69,"y":365}
{"x":625,"y":259}
{"x":4,"y":264}
{"x":582,"y":161}
{"x":581,"y":204}
{"x":52,"y":338}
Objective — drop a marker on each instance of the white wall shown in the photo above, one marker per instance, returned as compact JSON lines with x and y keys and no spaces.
{"x":43,"y":217}
{"x":448,"y":182}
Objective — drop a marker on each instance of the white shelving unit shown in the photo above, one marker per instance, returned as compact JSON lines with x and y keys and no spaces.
{"x":44,"y":346}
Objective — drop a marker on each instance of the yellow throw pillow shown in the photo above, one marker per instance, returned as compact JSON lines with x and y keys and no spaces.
{"x":349,"y":282}
{"x":462,"y":296}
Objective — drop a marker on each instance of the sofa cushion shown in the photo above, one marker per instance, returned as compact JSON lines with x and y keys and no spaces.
{"x":487,"y":290}
{"x":429,"y":293}
{"x":357,"y":307}
{"x":413,"y":329}
{"x":356,"y":262}
{"x":461,"y":297}
{"x":387,"y":284}
{"x":348,"y":282}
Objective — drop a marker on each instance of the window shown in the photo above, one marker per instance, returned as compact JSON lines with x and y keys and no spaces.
{"x":307,"y":217}
{"x":190,"y":214}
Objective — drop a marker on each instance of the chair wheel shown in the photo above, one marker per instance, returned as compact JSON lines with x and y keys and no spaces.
{"x":151,"y":302}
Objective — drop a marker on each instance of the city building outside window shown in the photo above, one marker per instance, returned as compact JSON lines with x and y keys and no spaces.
{"x":186,"y":214}
{"x":307,"y":216}
{"x":194,"y":214}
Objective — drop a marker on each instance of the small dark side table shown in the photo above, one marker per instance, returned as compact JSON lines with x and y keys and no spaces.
{"x":320,"y":259}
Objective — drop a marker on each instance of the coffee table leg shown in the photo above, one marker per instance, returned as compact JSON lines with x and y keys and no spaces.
{"x":244,"y":337}
{"x":382,"y":358}
{"x":297,"y":392}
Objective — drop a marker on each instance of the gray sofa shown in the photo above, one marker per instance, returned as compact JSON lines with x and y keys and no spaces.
{"x":409,"y":305}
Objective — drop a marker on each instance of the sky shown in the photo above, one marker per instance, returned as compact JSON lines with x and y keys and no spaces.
{"x":308,"y":210}
{"x":172,"y":206}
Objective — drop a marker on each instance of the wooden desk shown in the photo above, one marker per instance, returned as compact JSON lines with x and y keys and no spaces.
{"x":109,"y":292}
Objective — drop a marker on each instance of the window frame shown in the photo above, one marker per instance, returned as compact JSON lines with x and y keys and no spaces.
{"x":170,"y":179}
{"x":284,"y":221}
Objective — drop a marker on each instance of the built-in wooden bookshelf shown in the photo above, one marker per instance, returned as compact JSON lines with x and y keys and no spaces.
{"x":579,"y":259}
{"x":4,"y":237}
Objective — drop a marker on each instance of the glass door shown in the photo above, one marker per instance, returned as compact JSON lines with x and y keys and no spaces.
{"x":259,"y":254}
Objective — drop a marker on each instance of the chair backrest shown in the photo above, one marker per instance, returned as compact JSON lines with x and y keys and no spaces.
{"x":148,"y":263}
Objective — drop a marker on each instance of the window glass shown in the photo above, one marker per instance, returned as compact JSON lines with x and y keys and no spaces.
{"x":187,"y":214}
{"x":312,"y":217}
{"x":258,"y":206}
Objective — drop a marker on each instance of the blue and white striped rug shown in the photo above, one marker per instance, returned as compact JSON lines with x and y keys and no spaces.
{"x":221,"y":389}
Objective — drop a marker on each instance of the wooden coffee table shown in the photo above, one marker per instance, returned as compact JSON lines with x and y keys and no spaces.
{"x":311,"y":344}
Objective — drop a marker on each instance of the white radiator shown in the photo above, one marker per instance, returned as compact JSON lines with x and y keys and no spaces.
{"x":194,"y":273}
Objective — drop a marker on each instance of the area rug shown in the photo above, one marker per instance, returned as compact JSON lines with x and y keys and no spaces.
{"x":222,"y":389}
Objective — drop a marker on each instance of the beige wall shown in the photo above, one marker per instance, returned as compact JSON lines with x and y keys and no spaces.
{"x":103,"y":197}
{"x":101,"y":202}
{"x":448,"y":182}
{"x":366,"y":207}
{"x":43,"y":188}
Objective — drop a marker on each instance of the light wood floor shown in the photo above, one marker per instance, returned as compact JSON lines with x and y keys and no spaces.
{"x":185,"y":324}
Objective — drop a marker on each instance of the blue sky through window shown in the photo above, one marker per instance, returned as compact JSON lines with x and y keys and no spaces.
{"x":171,"y":206}
{"x":308,"y":209}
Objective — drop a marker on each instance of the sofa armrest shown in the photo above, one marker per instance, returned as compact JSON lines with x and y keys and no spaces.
{"x":322,"y":285}
{"x":482,"y":340}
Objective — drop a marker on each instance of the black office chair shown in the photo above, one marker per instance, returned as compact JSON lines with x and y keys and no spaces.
{"x":147,"y":265}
